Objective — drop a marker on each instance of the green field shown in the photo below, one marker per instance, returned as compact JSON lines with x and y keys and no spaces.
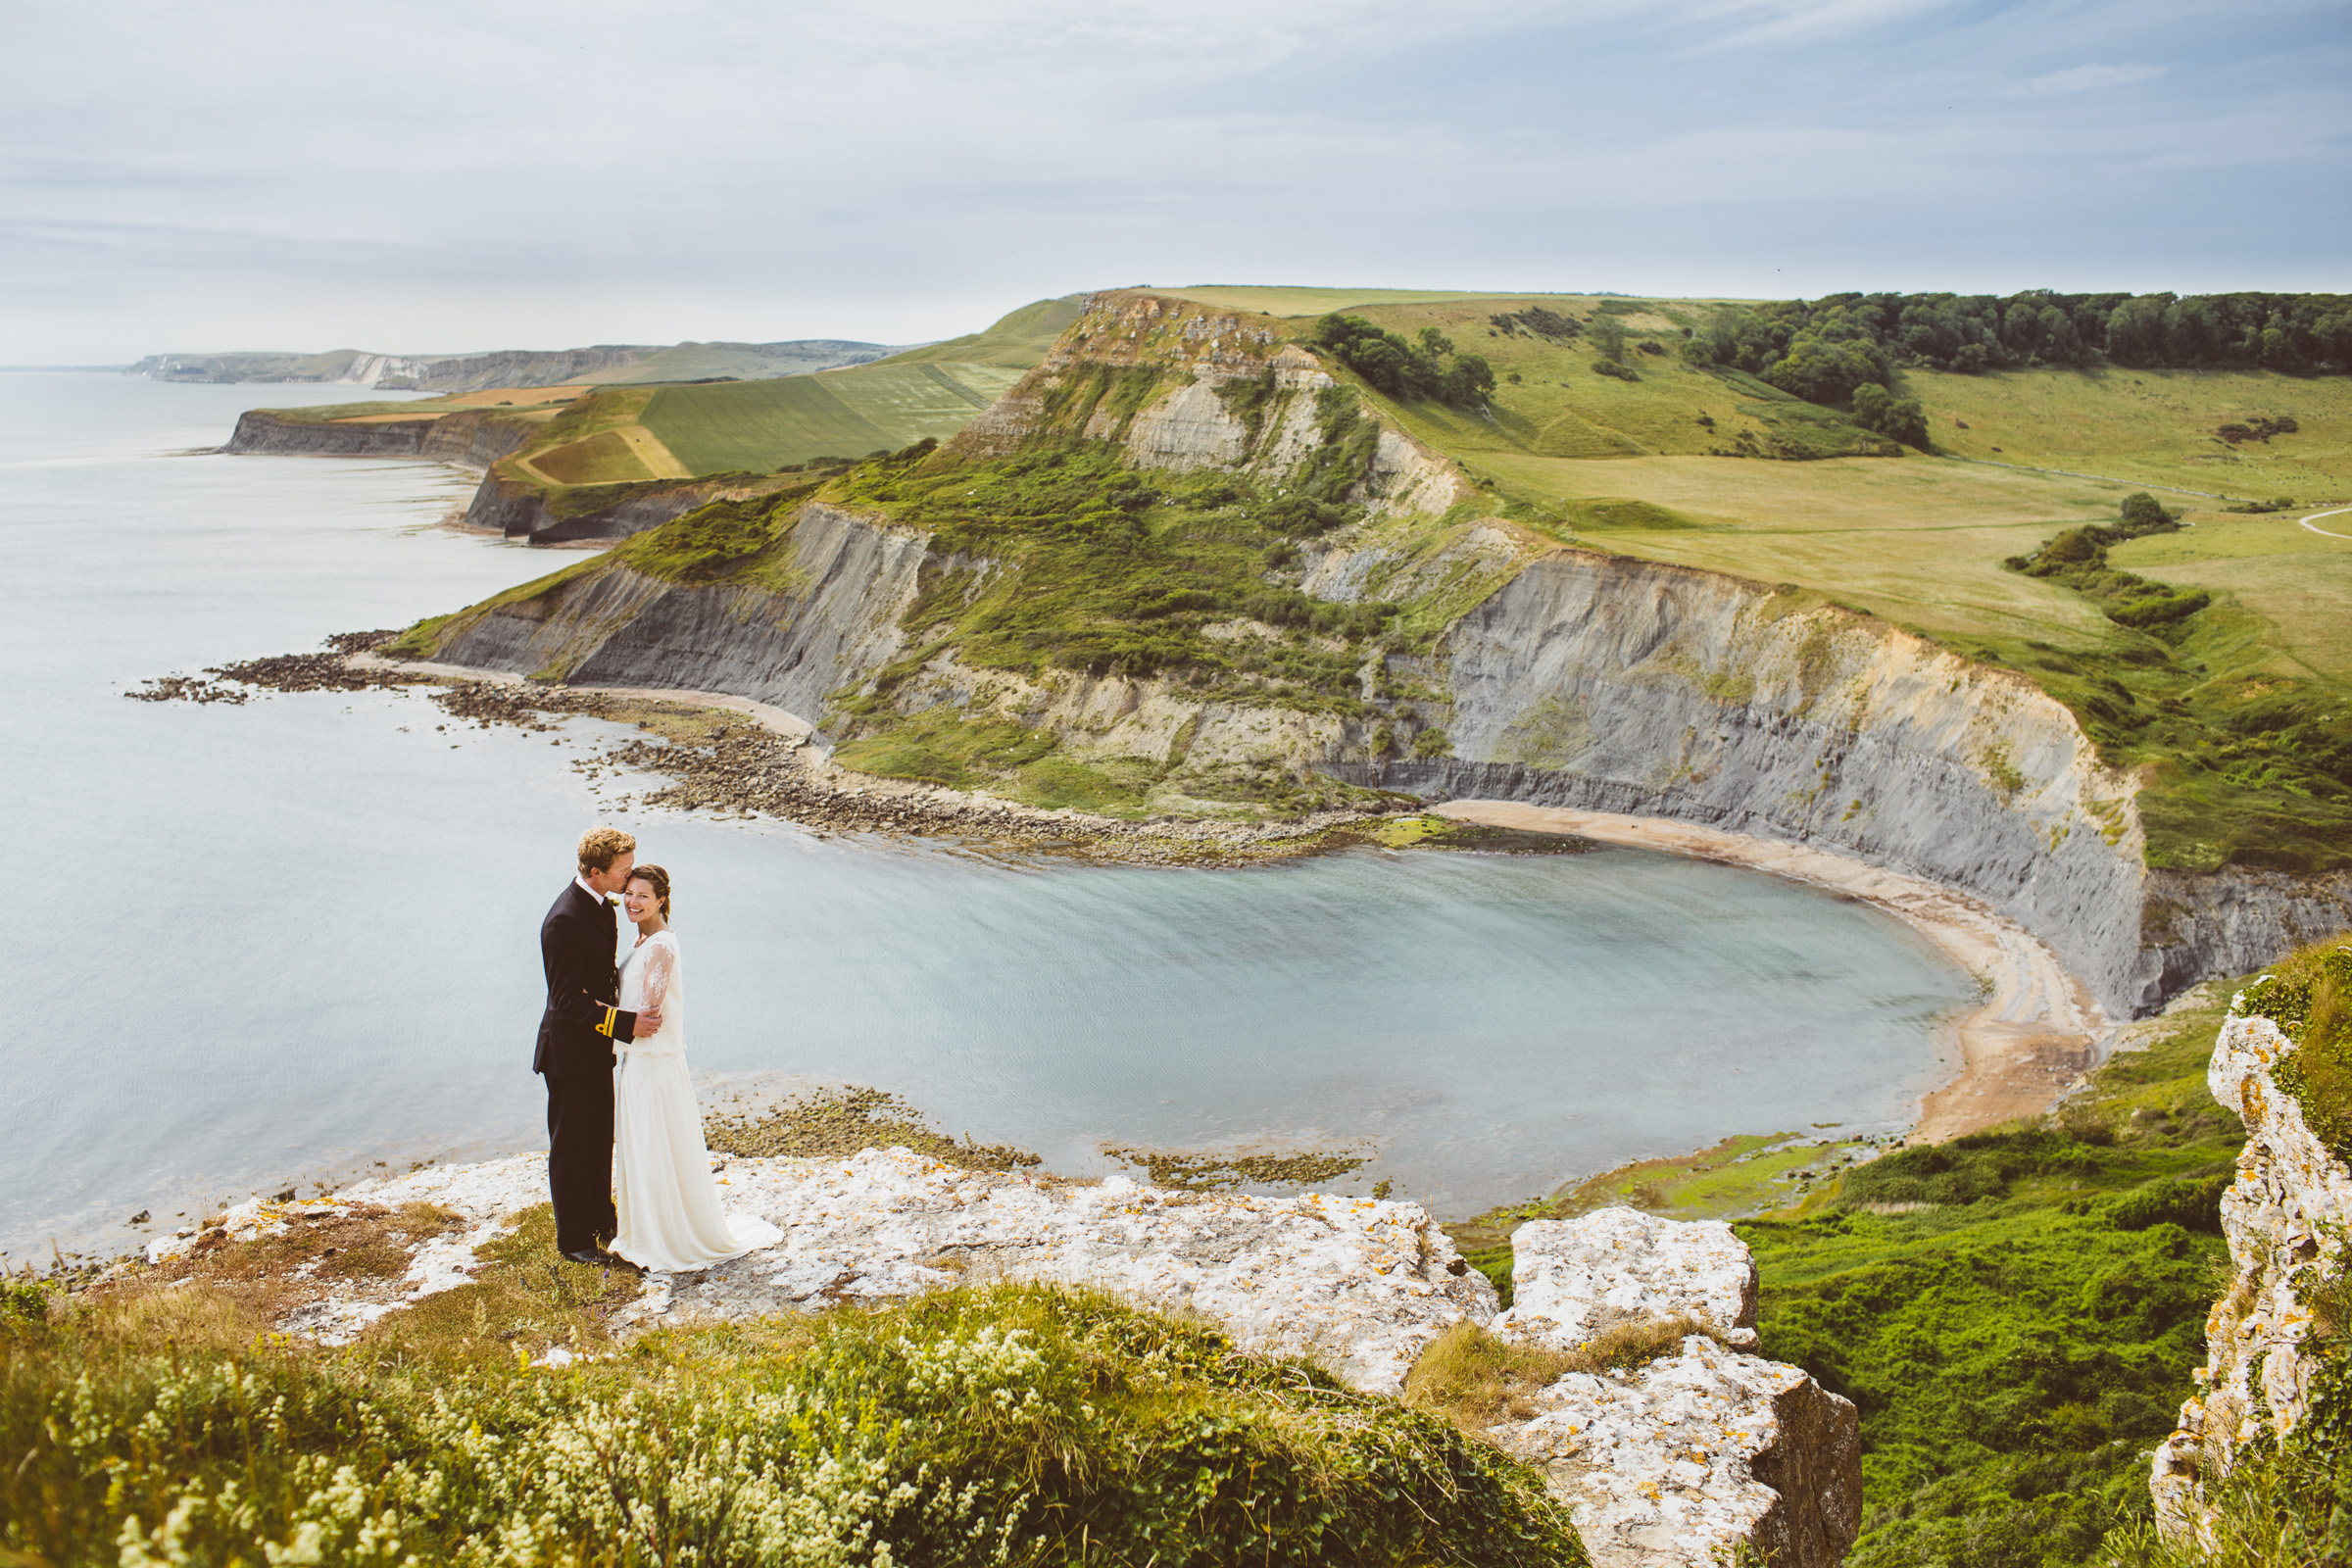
{"x":2152,"y":428}
{"x":760,"y":425}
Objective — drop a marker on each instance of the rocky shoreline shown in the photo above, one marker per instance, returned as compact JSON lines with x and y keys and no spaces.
{"x":730,"y":757}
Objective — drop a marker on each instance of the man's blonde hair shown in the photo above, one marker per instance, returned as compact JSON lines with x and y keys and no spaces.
{"x":600,"y":847}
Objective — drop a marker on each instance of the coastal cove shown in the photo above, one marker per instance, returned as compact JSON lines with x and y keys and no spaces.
{"x":282,"y":941}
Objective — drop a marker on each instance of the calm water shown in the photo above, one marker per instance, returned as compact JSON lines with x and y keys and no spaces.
{"x":271,"y":943}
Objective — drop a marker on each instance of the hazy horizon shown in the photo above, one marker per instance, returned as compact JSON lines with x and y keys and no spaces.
{"x":428,"y":177}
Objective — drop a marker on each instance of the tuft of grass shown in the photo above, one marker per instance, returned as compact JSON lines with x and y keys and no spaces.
{"x":1477,"y":1380}
{"x":524,"y":1300}
{"x":263,"y":1279}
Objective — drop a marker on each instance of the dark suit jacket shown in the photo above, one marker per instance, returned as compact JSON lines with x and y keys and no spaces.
{"x":576,"y":945}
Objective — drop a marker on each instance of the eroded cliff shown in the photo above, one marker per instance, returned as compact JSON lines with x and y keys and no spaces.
{"x":473,"y":438}
{"x":2275,"y":1335}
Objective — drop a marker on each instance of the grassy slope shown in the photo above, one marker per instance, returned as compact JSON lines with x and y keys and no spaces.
{"x":758,"y":427}
{"x":850,"y":413}
{"x":2019,"y":1343}
{"x":2150,"y":427}
{"x":1015,"y":341}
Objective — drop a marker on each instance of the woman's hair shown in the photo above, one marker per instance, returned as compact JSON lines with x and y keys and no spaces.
{"x":600,"y":847}
{"x":652,"y":876}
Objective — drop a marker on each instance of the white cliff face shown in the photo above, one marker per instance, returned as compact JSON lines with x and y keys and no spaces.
{"x":2287,"y":1218}
{"x":1607,"y":684}
{"x":1694,"y":1457}
{"x":1698,"y":1453}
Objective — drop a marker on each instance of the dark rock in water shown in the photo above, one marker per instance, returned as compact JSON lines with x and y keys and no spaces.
{"x":140,"y":1218}
{"x":286,"y":1196}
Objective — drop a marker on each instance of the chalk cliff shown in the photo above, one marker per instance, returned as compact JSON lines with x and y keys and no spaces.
{"x":2287,"y":1217}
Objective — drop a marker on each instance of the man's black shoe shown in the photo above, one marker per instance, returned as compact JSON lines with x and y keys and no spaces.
{"x":596,"y":1258}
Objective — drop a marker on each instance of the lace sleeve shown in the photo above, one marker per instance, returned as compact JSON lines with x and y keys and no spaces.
{"x":659,"y":965}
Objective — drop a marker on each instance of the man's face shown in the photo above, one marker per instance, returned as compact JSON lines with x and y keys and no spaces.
{"x":612,"y":878}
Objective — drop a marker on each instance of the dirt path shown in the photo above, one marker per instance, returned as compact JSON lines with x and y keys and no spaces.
{"x":2312,"y":523}
{"x":2027,"y":1044}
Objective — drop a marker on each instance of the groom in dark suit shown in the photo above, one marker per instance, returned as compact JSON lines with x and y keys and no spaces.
{"x":578,"y":946}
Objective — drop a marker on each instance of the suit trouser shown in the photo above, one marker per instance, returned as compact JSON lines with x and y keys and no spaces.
{"x":580,"y":1157}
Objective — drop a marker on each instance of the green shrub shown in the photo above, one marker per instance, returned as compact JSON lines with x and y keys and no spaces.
{"x":1428,"y":370}
{"x":1013,"y":1425}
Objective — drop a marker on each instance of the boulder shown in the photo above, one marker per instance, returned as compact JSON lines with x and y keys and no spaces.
{"x":1702,"y":1453}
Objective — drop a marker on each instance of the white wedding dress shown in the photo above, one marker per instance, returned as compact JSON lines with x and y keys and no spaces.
{"x":669,"y":1213}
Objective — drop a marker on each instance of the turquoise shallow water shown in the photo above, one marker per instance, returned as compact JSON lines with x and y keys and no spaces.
{"x":272,"y":943}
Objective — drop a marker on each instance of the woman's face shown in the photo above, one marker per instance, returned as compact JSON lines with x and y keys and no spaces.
{"x":641,"y":900}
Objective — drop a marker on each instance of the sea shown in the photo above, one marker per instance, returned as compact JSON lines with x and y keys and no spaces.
{"x":293,"y":942}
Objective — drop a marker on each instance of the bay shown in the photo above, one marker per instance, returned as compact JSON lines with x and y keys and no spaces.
{"x":283,"y":942}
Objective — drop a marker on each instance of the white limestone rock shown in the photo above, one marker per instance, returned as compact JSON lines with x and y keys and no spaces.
{"x":1573,"y":1277}
{"x":1687,"y":1459}
{"x":2285,"y":1218}
{"x":1696,"y":1454}
{"x":1362,"y":1284}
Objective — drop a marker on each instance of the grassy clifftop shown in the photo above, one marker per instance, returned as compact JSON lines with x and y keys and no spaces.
{"x":1606,"y":423}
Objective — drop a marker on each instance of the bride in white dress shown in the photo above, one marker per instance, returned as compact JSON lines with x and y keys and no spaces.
{"x":670,"y":1214}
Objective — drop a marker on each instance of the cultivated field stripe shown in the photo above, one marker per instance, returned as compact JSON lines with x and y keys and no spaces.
{"x":659,"y":460}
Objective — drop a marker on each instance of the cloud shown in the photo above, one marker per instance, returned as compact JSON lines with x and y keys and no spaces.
{"x":2085,"y":79}
{"x":424,"y":174}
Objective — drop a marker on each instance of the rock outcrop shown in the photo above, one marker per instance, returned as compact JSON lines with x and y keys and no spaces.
{"x":473,"y":438}
{"x":1698,"y":1455}
{"x":521,"y":510}
{"x":2287,"y":1218}
{"x":1187,"y":358}
{"x":789,"y":646}
{"x":1678,"y":1464}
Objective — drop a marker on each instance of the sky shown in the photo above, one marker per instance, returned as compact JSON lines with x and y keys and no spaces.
{"x":415,"y":177}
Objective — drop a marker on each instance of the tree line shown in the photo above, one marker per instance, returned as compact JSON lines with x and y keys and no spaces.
{"x":1841,"y":341}
{"x":1428,"y":369}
